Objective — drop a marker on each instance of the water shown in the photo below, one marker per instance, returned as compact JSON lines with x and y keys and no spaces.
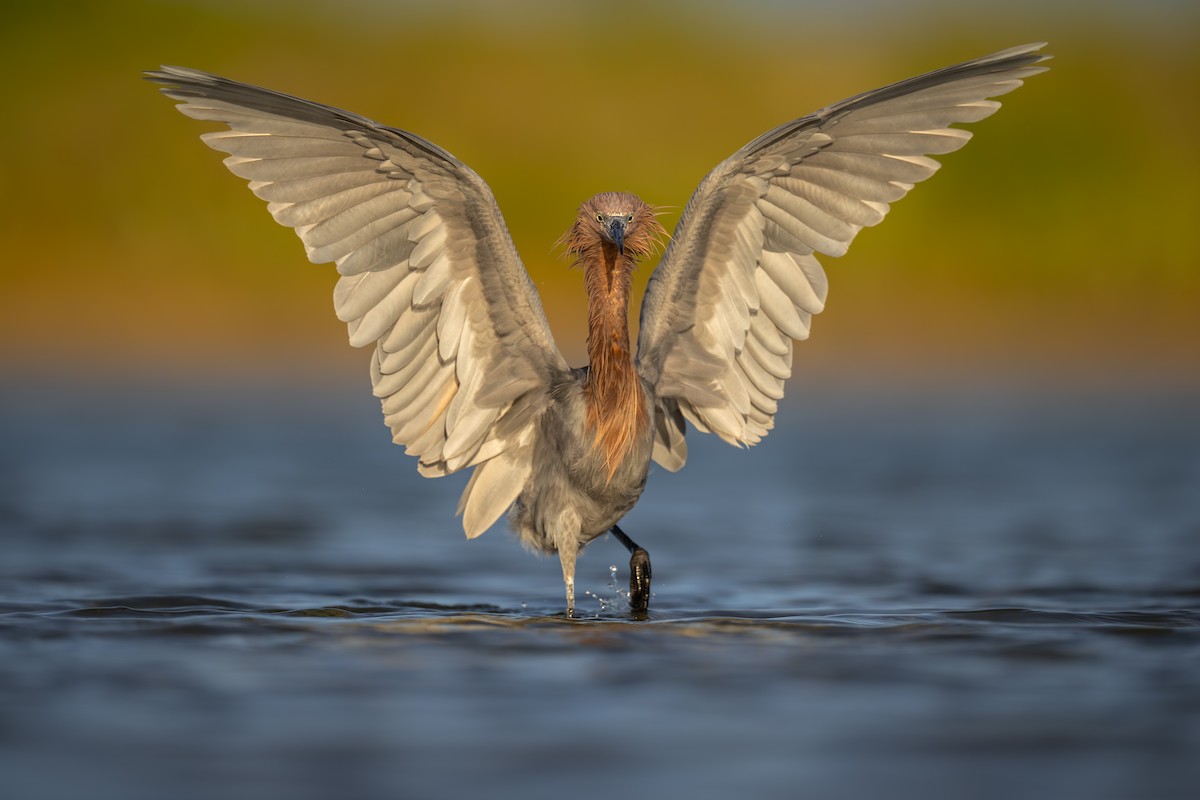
{"x":237,"y":594}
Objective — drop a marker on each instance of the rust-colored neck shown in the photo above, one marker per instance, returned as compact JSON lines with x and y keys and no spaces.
{"x":616,"y":410}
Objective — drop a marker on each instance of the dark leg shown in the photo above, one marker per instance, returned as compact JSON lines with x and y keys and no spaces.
{"x":639,"y":572}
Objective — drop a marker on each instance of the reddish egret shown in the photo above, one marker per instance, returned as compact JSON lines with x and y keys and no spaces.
{"x":464,"y":362}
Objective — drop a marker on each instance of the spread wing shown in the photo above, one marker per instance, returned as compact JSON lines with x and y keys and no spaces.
{"x":463,"y":355}
{"x":740,"y":279}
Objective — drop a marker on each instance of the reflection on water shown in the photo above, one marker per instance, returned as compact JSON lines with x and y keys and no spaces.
{"x":205,"y":596}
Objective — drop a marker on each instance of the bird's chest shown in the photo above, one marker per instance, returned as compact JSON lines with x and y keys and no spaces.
{"x":574,"y":474}
{"x":607,"y":451}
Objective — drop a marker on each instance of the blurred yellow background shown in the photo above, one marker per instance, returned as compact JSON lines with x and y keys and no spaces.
{"x":1060,"y":247}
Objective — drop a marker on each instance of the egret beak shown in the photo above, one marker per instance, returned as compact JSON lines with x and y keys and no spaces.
{"x":616,"y":230}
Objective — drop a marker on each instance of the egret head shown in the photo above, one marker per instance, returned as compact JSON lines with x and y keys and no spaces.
{"x":617,"y":219}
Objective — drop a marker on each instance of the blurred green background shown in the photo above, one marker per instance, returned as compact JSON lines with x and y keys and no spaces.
{"x":1061,"y":247}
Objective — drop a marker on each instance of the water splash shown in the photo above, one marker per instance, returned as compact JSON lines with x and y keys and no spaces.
{"x":612,"y":599}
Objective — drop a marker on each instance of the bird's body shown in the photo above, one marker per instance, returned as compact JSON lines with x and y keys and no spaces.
{"x":464,"y":364}
{"x":594,"y":441}
{"x":571,"y":497}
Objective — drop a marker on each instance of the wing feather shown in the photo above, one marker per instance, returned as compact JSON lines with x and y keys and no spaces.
{"x":355,"y":295}
{"x":314,"y":189}
{"x":310,"y":212}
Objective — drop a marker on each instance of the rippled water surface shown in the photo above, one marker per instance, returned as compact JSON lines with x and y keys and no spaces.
{"x":252,"y":594}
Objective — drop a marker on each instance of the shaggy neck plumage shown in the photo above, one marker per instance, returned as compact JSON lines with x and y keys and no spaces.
{"x":612,"y":391}
{"x":616,"y":412}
